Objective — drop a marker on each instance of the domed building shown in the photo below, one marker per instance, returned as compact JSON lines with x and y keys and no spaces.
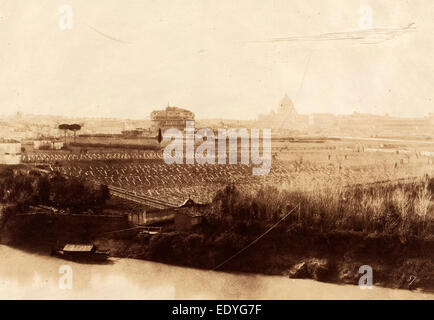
{"x":286,"y":106}
{"x":286,"y":117}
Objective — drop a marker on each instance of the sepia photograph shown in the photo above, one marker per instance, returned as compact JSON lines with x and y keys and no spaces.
{"x":216,"y":150}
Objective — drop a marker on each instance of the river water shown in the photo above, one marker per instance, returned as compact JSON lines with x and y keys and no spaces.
{"x":25,"y":275}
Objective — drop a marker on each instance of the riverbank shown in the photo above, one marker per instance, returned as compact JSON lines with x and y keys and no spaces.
{"x":326,"y":257}
{"x":288,"y":250}
{"x":25,"y":275}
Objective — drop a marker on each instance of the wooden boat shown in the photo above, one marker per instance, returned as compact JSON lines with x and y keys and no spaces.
{"x":81,"y":252}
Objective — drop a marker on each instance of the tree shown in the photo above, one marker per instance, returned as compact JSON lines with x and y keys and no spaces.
{"x":160,"y":136}
{"x":64,"y":127}
{"x":74,"y":127}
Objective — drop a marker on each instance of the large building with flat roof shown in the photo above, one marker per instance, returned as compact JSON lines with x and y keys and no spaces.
{"x":171,"y":117}
{"x":10,"y":152}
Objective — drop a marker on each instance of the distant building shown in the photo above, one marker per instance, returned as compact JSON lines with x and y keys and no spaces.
{"x":10,"y":152}
{"x":133,"y":133}
{"x":185,"y":221}
{"x":286,"y":117}
{"x":286,"y":107}
{"x":183,"y":217}
{"x":47,"y":145}
{"x":323,"y":119}
{"x":171,"y":117}
{"x":41,"y":144}
{"x":57,"y":145}
{"x":188,"y":215}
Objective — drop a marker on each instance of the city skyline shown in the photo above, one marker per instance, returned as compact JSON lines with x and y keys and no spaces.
{"x":161,"y":108}
{"x":214,"y":60}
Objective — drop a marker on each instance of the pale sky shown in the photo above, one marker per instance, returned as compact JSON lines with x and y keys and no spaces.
{"x":127,"y":58}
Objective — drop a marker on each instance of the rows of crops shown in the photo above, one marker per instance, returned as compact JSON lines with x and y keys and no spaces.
{"x":176,"y":182}
{"x":46,"y":157}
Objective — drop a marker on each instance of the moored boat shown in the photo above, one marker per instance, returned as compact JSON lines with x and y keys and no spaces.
{"x":81,"y":252}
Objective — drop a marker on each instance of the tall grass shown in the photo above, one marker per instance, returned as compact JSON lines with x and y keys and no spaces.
{"x":401,"y":209}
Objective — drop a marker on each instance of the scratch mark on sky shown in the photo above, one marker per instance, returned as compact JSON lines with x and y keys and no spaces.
{"x":304,"y":74}
{"x":108,"y":36}
{"x":368,"y":36}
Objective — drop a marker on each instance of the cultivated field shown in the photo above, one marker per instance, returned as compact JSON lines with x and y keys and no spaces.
{"x":297,"y":166}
